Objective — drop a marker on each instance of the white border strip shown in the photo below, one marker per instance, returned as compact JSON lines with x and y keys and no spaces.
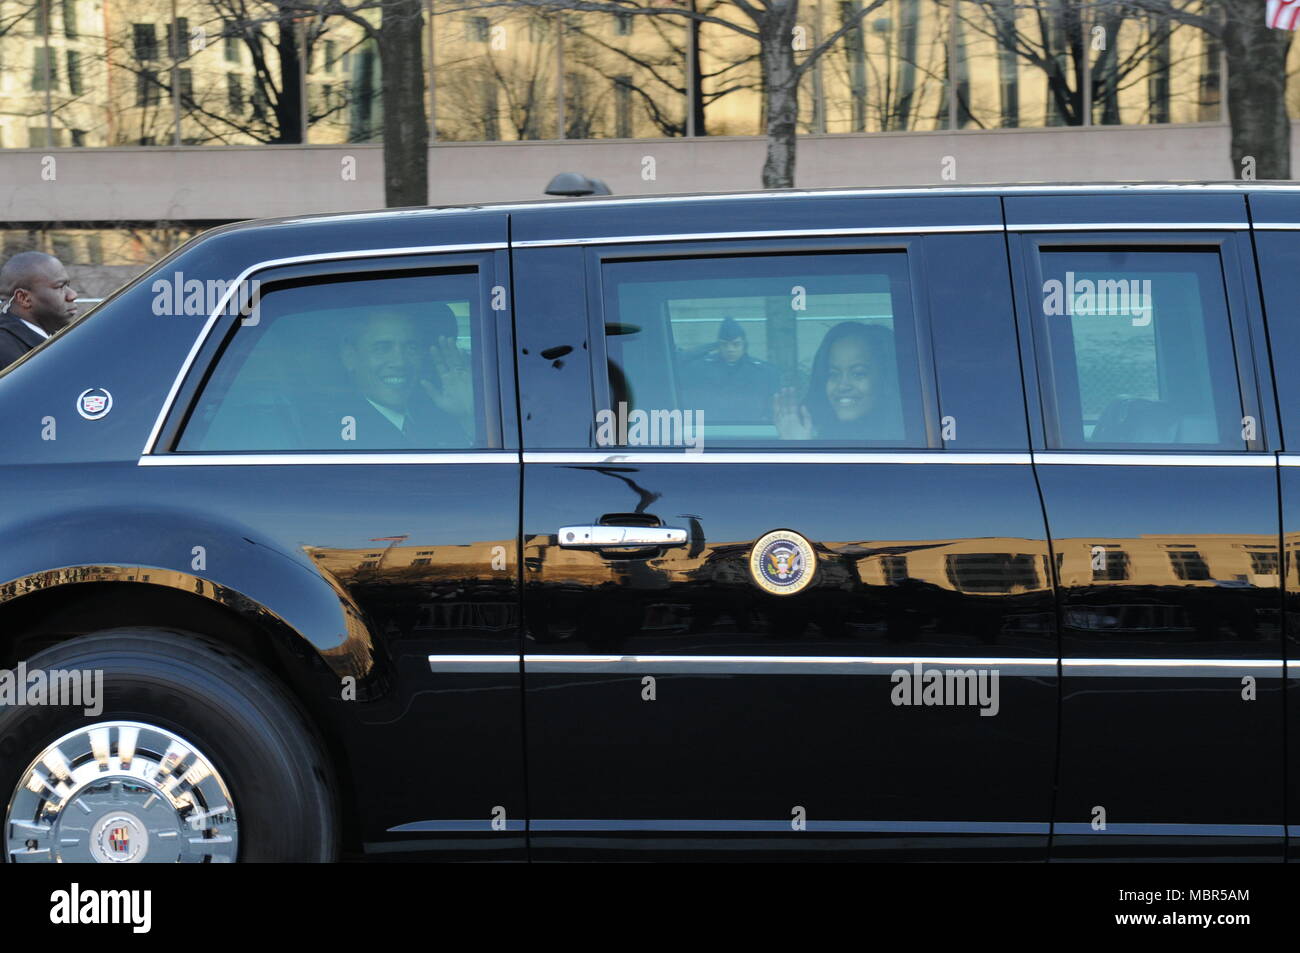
{"x":474,"y":663}
{"x":277,"y":263}
{"x":933,"y":456}
{"x":1170,"y":668}
{"x":1107,"y":459}
{"x":854,"y":665}
{"x":1127,"y":226}
{"x":322,"y":459}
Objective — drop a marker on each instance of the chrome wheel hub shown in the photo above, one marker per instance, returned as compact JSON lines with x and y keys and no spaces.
{"x":121,"y":792}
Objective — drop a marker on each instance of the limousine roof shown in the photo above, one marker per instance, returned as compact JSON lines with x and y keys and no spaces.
{"x":1044,"y":188}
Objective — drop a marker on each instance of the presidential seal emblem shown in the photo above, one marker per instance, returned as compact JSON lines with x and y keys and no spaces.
{"x":94,"y":403}
{"x":782,"y":563}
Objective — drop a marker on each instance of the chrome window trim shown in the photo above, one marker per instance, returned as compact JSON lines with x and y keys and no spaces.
{"x":308,"y":458}
{"x":473,"y":663}
{"x":931,"y":456}
{"x":1171,"y":668}
{"x":1128,"y":226}
{"x":1005,"y":458}
{"x":1289,"y":459}
{"x":546,"y":664}
{"x":279,"y":263}
{"x":762,"y":233}
{"x":770,"y":664}
{"x":1149,"y":459}
{"x":1277,"y":226}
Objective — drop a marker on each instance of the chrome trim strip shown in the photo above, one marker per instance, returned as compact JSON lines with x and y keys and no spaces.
{"x":1148,"y":459}
{"x":473,"y":663}
{"x":321,"y":459}
{"x":1171,"y":668}
{"x":549,"y":825}
{"x":1277,"y":226}
{"x":932,"y":456}
{"x":277,"y":263}
{"x":473,"y":824}
{"x":1127,"y":226}
{"x":769,"y":664}
{"x":1289,"y":459}
{"x":761,"y":233}
{"x":1175,"y":830}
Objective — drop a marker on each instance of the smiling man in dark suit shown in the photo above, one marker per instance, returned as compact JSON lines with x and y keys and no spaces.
{"x":37,"y":301}
{"x":383,"y":357}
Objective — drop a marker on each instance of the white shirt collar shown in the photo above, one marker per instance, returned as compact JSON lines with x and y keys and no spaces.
{"x":39,"y":330}
{"x":394,"y":418}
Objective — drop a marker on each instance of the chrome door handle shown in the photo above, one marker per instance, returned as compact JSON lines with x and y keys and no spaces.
{"x":589,"y":537}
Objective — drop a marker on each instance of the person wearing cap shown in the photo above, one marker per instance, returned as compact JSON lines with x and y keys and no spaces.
{"x":730,"y":386}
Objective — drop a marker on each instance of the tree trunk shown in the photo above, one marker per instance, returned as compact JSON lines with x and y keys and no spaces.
{"x":1256,"y":57}
{"x":406,"y":125}
{"x":781,"y":90}
{"x":288,"y":106}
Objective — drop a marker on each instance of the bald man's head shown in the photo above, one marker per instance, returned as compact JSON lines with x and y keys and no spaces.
{"x":36,"y":288}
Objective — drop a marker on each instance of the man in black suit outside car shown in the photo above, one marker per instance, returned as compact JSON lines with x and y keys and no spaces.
{"x":36,"y":301}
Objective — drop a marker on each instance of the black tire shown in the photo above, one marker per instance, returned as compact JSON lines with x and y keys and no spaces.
{"x":255,"y":735}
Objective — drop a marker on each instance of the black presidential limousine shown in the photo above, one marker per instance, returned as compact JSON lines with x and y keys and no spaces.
{"x":947,"y":523}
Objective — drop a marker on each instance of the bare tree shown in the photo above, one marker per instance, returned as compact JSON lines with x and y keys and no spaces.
{"x":1256,"y":58}
{"x":771,"y":24}
{"x":399,"y":38}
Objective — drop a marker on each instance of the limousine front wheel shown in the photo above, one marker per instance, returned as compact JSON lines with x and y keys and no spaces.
{"x":177,"y":750}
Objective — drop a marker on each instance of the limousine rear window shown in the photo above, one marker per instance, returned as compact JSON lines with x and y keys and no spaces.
{"x":1140,"y":350}
{"x":765,"y":350}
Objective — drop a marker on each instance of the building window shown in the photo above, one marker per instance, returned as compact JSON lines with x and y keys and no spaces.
{"x":623,"y":107}
{"x":79,"y":138}
{"x":1189,"y":564}
{"x":894,"y":569}
{"x":420,"y":562}
{"x":147,"y":90}
{"x":235,"y":93}
{"x":330,"y":53}
{"x":45,"y":73}
{"x":146,"y":42}
{"x":186,"y":80}
{"x":1264,"y":564}
{"x":39,"y":137}
{"x":1211,"y":88}
{"x":178,"y":38}
{"x":74,"y":73}
{"x":1158,"y":78}
{"x":230,"y":46}
{"x":1115,"y":568}
{"x":623,"y":23}
{"x":70,"y":19}
{"x":477,"y":29}
{"x":42,"y":12}
{"x":991,"y":572}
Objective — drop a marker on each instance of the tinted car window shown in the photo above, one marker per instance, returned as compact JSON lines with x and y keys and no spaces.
{"x":769,"y":350}
{"x":368,"y":363}
{"x":1140,"y":351}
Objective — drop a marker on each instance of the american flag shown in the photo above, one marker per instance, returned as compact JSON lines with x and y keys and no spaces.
{"x":1283,"y":14}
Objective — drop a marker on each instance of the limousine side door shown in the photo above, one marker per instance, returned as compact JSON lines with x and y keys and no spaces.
{"x":1275,"y":218}
{"x":1151,"y":444}
{"x":284,"y":435}
{"x":757,"y":643}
